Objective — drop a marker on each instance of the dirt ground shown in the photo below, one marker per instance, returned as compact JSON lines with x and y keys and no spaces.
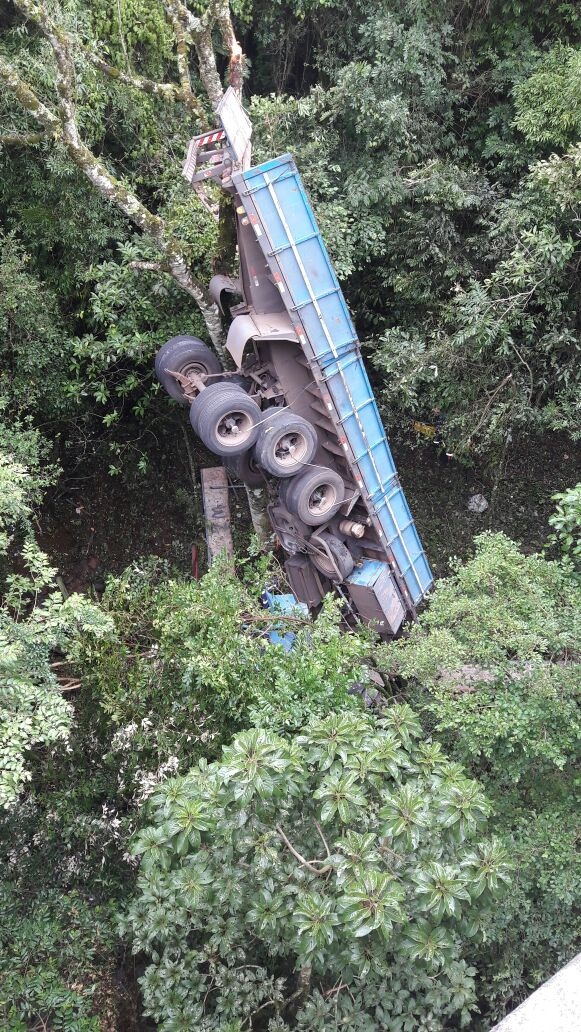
{"x":519,"y":495}
{"x":93,"y":524}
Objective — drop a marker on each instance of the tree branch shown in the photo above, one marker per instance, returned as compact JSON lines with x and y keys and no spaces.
{"x":65,"y":82}
{"x":166,"y":91}
{"x":182,"y":53}
{"x":117,"y":193}
{"x":149,"y":267}
{"x":224,"y":23}
{"x":200,"y":31}
{"x":309,"y":864}
{"x":322,"y":838}
{"x":22,"y":139}
{"x":28,"y":99}
{"x":484,"y":414}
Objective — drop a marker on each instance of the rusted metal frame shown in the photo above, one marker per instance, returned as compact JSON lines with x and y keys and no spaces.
{"x":187,"y":383}
{"x":307,"y":547}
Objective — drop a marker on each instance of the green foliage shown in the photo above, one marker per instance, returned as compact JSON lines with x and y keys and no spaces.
{"x":506,"y":354}
{"x":34,"y":622}
{"x":408,"y":125}
{"x":424,"y":134}
{"x":52,"y":961}
{"x":499,"y":650}
{"x":14,"y":498}
{"x":189,"y":663}
{"x":399,"y":878}
{"x":134,"y":26}
{"x":566,"y":522}
{"x":547,"y":103}
{"x":497,"y":664}
{"x":32,"y":352}
{"x":86,"y":347}
{"x":460,"y":262}
{"x":112,"y":365}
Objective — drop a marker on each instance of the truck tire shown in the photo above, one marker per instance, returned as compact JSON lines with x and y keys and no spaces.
{"x":286,"y":443}
{"x":342,"y":558}
{"x":184,"y":355}
{"x":314,"y":495}
{"x":226,"y":419}
{"x":244,"y":468}
{"x":198,"y":403}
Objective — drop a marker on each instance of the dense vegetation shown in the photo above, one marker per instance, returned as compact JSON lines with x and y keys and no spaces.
{"x":174,"y":788}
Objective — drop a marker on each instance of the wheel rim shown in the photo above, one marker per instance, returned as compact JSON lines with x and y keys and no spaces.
{"x":234,"y":429}
{"x":291,"y":449}
{"x":195,"y":368}
{"x":322,"y":499}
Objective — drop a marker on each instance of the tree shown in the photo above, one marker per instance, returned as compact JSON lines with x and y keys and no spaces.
{"x":62,"y":98}
{"x":339,"y":873}
{"x":58,"y":116}
{"x":458,"y":259}
{"x":494,"y":667}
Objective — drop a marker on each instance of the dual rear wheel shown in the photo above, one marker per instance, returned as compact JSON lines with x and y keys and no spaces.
{"x":277,"y":442}
{"x":226,"y":419}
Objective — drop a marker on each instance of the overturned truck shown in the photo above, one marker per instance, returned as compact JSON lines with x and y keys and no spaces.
{"x":298,"y":413}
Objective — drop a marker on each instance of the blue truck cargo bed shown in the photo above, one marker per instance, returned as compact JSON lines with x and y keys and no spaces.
{"x":277,"y":205}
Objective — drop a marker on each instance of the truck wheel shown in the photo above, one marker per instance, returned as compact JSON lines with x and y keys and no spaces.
{"x":342,"y":558}
{"x":314,"y":496}
{"x":286,"y":443}
{"x":226,"y":419}
{"x":198,"y":404}
{"x":184,"y":355}
{"x":244,"y":468}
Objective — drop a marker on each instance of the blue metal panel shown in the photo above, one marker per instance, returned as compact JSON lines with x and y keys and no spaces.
{"x":274,"y":197}
{"x":288,"y":605}
{"x":366,"y":574}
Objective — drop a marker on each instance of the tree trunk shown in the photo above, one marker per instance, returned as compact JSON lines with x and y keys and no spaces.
{"x":257,"y":503}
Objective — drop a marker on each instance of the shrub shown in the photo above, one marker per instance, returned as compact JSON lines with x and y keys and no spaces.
{"x":52,"y":960}
{"x":566,"y":522}
{"x":342,"y":872}
{"x":495,"y":667}
{"x":34,"y":622}
{"x":190,"y":663}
